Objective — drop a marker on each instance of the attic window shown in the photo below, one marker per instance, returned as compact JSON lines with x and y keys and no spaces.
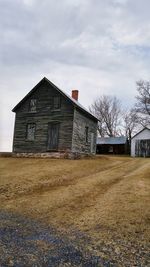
{"x":31,"y":131}
{"x":56,"y":102}
{"x":32,"y":106}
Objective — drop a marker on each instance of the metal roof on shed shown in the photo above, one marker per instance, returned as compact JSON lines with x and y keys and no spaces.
{"x":111,"y":140}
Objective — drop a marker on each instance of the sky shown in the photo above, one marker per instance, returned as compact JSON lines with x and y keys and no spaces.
{"x":96,"y":46}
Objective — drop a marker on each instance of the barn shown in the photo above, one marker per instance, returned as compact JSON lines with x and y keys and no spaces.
{"x":112,"y":145}
{"x":49,"y":120}
{"x":140,"y":143}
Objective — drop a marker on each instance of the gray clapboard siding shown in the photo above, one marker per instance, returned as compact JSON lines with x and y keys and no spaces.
{"x":72,"y":119}
{"x":43,"y":115}
{"x":79,"y":143}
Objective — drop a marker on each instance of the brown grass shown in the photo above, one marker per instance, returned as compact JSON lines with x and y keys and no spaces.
{"x":105,"y":196}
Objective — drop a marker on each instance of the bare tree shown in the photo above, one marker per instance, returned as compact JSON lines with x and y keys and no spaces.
{"x":130,"y":123}
{"x":142,"y":106}
{"x":108,"y":111}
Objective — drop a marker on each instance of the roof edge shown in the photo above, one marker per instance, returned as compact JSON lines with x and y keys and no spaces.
{"x":140,"y":131}
{"x":74,"y":102}
{"x":28,"y":94}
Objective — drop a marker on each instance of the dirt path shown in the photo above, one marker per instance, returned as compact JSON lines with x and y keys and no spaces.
{"x":25,"y":242}
{"x":106,"y":198}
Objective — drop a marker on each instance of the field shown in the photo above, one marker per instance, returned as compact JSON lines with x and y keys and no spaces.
{"x":106,"y":198}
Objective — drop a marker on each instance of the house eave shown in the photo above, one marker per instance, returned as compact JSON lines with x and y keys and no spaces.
{"x":145,"y":128}
{"x":76,"y":105}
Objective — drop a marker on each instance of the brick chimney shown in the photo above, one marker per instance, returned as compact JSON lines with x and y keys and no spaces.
{"x":75,"y":94}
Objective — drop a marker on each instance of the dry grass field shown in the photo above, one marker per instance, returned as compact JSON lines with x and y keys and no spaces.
{"x":105,"y":197}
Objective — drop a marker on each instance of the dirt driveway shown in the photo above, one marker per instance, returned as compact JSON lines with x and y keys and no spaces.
{"x":100,"y":206}
{"x":25,"y":242}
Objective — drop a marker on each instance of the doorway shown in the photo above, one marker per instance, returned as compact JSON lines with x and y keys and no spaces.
{"x":53,"y":136}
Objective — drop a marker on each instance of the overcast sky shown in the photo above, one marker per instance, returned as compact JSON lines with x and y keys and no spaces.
{"x":95,"y":46}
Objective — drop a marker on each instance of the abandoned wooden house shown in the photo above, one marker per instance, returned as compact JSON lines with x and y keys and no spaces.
{"x":140,"y":143}
{"x":112,"y":145}
{"x":48,"y":120}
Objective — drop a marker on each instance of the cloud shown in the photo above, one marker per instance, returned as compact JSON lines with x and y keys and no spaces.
{"x":98,"y":47}
{"x":29,"y":2}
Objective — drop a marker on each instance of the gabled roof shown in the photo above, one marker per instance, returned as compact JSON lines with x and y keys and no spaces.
{"x":111,"y":140}
{"x":145,"y":128}
{"x":72,"y":100}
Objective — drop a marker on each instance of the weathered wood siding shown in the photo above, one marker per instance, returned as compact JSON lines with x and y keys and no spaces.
{"x":79,"y":144}
{"x":138,"y":145}
{"x":142,"y":148}
{"x":42,"y":117}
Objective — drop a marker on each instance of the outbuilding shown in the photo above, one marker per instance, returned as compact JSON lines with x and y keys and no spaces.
{"x":112,"y":145}
{"x":140,"y":143}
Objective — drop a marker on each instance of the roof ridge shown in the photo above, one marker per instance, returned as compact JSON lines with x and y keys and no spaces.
{"x":76,"y":103}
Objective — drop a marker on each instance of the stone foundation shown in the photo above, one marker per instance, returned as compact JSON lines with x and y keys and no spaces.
{"x":53,"y":155}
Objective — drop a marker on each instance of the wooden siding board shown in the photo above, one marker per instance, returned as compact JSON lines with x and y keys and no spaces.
{"x":79,"y":143}
{"x":142,"y":148}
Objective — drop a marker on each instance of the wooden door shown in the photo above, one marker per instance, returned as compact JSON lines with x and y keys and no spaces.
{"x":142,"y":148}
{"x":53,"y":134}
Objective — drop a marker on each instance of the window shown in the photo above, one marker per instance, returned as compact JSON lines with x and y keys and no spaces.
{"x":31,"y":131}
{"x":86,"y":134}
{"x":32,"y":106}
{"x":56,"y":102}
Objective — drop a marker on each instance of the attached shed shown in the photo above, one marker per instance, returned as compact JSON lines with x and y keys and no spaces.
{"x":111,"y":145}
{"x":140,"y":143}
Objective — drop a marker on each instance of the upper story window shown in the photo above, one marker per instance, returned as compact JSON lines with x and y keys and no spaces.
{"x":32,"y":106}
{"x":31,"y":131}
{"x":86,"y":134}
{"x":56,"y":102}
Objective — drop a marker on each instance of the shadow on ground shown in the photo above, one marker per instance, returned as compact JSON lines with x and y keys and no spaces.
{"x":25,"y":242}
